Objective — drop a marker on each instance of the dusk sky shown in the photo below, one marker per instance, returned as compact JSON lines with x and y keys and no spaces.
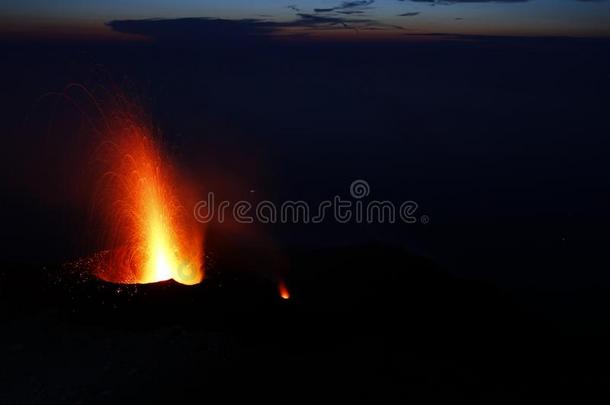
{"x":588,"y":18}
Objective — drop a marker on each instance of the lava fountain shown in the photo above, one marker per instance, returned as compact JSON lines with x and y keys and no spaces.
{"x":151,"y":235}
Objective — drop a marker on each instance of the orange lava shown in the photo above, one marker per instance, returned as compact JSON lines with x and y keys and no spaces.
{"x":151,"y":234}
{"x":283,"y":290}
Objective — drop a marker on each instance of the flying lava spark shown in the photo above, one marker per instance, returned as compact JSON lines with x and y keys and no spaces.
{"x":150,"y":235}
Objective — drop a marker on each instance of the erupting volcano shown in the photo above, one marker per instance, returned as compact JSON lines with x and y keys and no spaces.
{"x":150,"y":234}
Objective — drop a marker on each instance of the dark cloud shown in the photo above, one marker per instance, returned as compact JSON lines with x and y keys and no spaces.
{"x":211,"y":29}
{"x":449,"y":2}
{"x":471,"y":1}
{"x":347,"y":7}
{"x":356,"y":3}
{"x":317,"y":21}
{"x":185,"y":29}
{"x":410,"y":14}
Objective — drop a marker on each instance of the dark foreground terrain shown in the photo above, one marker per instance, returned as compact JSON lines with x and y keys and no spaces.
{"x":364,"y":325}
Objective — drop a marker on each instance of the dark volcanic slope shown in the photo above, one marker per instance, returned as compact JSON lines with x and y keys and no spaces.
{"x":364,"y":325}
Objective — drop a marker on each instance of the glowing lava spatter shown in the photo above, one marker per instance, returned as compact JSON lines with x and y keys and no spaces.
{"x":283,"y":290}
{"x":151,"y":232}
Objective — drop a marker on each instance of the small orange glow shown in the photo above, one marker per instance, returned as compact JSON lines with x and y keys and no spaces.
{"x":151,"y":235}
{"x":284,"y":293}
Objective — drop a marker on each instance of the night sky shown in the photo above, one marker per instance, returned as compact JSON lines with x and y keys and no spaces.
{"x":321,"y":18}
